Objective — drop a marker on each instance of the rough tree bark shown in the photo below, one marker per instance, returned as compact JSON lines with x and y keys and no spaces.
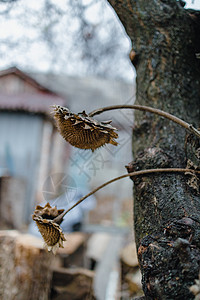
{"x":165,"y":39}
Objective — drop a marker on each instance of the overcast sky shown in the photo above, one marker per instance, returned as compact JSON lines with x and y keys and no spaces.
{"x":37,"y":56}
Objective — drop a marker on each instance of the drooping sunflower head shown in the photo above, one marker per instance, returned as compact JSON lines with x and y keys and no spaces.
{"x":82,"y":131}
{"x":51,"y":232}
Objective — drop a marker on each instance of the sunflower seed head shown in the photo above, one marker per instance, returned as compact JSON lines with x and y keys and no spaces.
{"x":51,"y":232}
{"x":82,"y":131}
{"x":47,"y":212}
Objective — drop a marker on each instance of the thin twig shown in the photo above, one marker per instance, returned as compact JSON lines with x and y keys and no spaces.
{"x":151,"y":110}
{"x":136,"y":173}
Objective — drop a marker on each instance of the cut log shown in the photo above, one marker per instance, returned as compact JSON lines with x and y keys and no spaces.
{"x":130,"y":273}
{"x":96,"y":247}
{"x":73,"y":284}
{"x":25,"y":267}
{"x":129,"y":255}
{"x":73,"y":253}
{"x":134,"y":282}
{"x":129,"y":260}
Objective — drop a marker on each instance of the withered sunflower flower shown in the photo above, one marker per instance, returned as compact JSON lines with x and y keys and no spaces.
{"x":82,"y":131}
{"x":51,"y":232}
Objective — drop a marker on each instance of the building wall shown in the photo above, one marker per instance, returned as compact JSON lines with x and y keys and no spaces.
{"x":30,"y":148}
{"x":21,"y":136}
{"x":12,"y":84}
{"x":54,"y":154}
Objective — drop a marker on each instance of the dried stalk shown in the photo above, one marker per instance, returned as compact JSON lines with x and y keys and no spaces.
{"x":136,"y":173}
{"x":156,"y":111}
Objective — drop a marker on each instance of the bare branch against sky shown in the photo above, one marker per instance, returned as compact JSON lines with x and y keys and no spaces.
{"x":81,"y":37}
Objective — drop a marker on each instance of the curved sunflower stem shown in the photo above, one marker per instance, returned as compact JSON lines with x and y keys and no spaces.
{"x":156,"y":111}
{"x":132,"y":174}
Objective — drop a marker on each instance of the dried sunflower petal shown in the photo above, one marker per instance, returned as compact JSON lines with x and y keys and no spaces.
{"x":47,"y":212}
{"x":51,"y":232}
{"x":82,"y":131}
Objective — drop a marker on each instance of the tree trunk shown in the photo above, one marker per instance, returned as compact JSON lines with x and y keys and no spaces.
{"x":165,"y":39}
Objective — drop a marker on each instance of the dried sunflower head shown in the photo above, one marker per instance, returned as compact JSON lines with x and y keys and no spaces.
{"x":50,"y":231}
{"x":82,"y":131}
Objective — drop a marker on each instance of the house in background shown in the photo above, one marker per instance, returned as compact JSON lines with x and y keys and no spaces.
{"x":33,"y":155}
{"x":30,"y":145}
